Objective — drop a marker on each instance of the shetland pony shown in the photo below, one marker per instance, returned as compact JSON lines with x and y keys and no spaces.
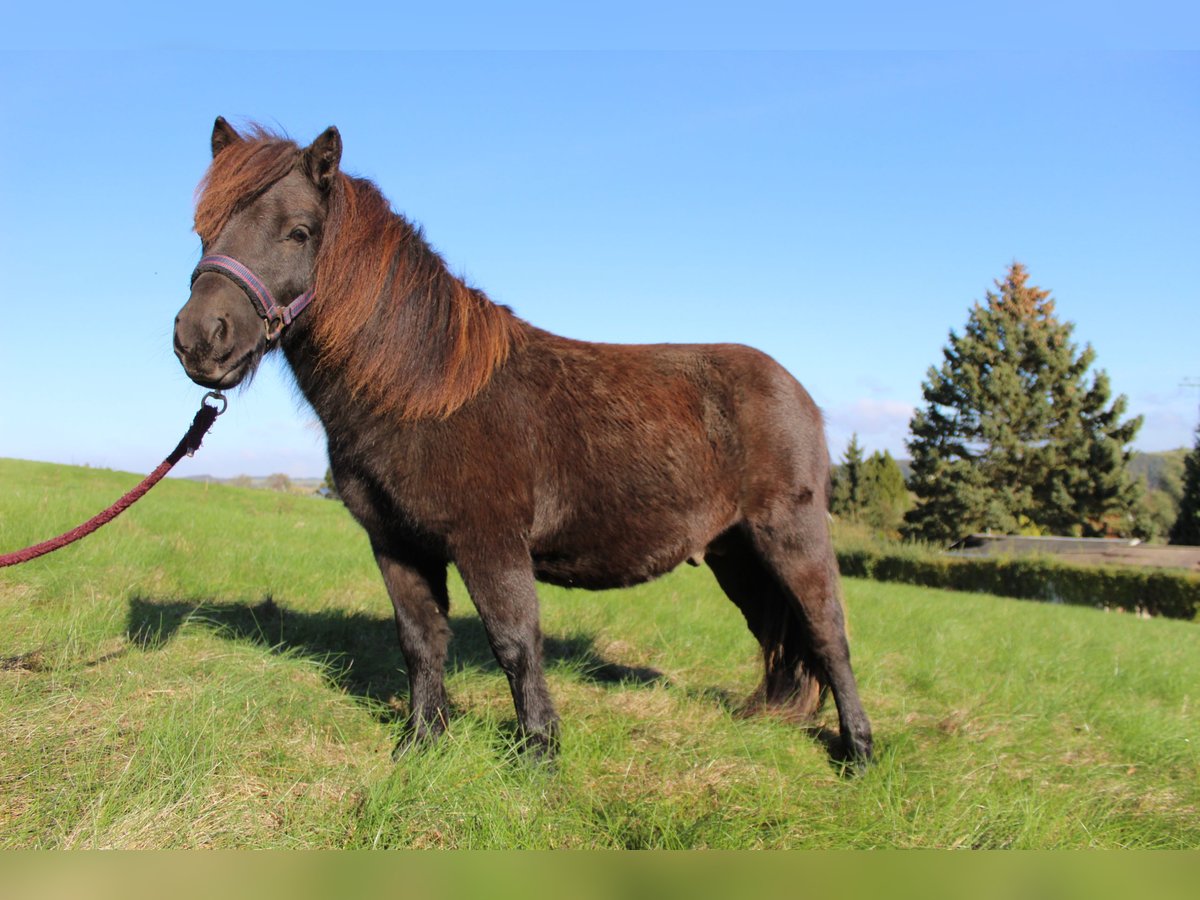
{"x":459,"y":433}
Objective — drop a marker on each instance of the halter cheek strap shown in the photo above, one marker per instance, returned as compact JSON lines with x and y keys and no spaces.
{"x":275,"y":317}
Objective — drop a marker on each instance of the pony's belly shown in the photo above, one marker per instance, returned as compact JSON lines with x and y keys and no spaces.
{"x":597,"y":573}
{"x":609,"y":559}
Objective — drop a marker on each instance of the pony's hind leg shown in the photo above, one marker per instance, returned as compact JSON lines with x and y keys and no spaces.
{"x":421,"y":604}
{"x":795,"y":545}
{"x":791,"y":687}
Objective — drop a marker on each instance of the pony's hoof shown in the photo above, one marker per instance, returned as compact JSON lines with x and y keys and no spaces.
{"x":414,"y":740}
{"x":539,"y":747}
{"x":857,"y":751}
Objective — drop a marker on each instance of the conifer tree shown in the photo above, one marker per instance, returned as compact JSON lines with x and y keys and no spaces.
{"x":870,"y":491}
{"x":1186,"y":529}
{"x":1013,"y":437}
{"x":846,"y":501}
{"x":884,"y":494}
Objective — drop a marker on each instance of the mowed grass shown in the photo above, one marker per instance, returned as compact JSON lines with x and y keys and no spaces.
{"x":218,"y":668}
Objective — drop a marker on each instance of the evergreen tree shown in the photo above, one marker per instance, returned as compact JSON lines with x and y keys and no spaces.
{"x":1186,"y":529}
{"x":846,"y":501}
{"x":1013,"y":437}
{"x":884,"y":494}
{"x":870,"y":491}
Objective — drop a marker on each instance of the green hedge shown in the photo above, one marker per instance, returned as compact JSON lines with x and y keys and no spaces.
{"x":1160,"y":592}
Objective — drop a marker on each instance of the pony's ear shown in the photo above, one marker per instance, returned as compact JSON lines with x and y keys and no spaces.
{"x":322,"y":158}
{"x":223,"y":135}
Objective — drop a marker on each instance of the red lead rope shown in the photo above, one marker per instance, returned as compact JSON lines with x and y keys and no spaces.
{"x":205,"y":417}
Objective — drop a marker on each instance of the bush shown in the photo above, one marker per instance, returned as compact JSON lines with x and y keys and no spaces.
{"x":1160,"y":592}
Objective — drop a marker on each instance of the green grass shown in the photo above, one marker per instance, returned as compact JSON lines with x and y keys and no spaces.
{"x":218,"y":667}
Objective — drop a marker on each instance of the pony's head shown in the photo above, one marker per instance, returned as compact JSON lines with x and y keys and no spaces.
{"x":260,"y":216}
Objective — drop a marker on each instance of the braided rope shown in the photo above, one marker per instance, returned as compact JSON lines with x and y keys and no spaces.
{"x":190,"y":443}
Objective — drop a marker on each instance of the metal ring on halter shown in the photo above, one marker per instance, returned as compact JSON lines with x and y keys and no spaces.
{"x":216,"y":395}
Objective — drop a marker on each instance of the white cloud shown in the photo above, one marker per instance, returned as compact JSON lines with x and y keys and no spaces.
{"x":880,"y":425}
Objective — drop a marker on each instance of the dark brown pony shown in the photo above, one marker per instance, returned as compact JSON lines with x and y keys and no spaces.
{"x":460,"y":434}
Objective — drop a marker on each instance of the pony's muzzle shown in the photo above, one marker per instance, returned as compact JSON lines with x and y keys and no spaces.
{"x":212,"y":342}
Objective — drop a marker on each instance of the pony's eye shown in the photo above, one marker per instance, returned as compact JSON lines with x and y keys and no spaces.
{"x":299,"y":235}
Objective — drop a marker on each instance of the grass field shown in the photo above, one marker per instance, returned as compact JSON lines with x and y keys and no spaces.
{"x":218,"y":668}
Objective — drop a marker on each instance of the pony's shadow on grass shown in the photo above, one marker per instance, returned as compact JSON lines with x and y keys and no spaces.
{"x":359,"y":652}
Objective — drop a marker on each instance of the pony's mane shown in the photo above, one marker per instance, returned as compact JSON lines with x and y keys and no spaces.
{"x":389,"y":319}
{"x":239,"y":174}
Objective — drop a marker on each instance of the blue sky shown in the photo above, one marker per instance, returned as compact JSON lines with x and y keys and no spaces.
{"x":839,"y":209}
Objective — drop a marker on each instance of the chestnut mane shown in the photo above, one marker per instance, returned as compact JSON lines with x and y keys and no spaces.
{"x":389,"y":318}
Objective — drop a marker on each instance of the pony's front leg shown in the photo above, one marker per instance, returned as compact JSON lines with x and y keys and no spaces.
{"x":418,"y":591}
{"x":503,"y":590}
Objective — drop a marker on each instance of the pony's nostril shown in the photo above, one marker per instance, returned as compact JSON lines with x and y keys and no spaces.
{"x":219,"y":330}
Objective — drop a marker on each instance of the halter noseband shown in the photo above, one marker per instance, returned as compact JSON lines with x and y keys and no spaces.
{"x":275,"y":317}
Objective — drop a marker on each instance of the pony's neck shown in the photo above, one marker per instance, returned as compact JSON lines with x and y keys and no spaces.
{"x":390,"y":324}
